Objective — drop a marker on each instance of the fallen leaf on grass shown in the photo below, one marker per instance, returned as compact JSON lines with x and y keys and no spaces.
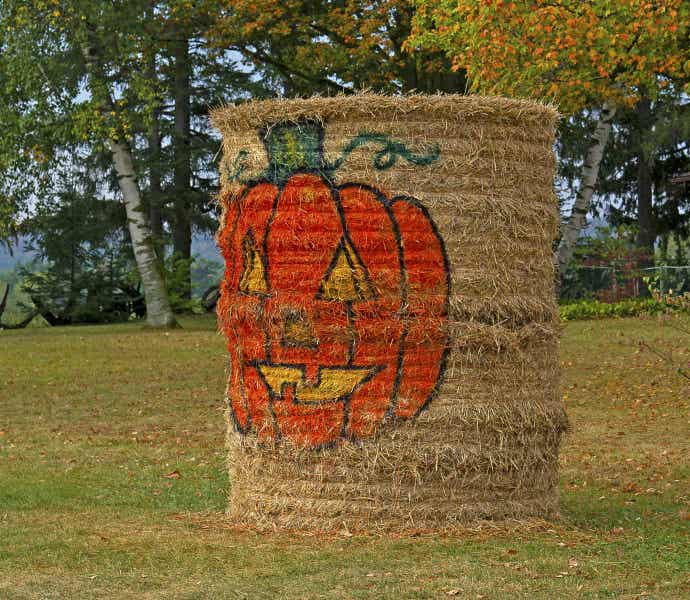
{"x":453,"y":592}
{"x":172,"y":475}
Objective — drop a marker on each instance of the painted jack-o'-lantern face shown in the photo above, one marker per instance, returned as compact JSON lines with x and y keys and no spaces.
{"x":334,"y":301}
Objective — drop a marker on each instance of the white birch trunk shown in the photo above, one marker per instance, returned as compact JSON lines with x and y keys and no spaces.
{"x":158,"y":311}
{"x":570,"y":230}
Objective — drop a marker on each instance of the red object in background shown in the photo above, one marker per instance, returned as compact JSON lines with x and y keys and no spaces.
{"x":334,"y":303}
{"x":626,"y":276}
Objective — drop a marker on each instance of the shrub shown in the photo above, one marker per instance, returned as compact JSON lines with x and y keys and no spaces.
{"x":594,"y":309}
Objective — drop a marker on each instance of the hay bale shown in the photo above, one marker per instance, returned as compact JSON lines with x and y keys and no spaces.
{"x":390,"y":312}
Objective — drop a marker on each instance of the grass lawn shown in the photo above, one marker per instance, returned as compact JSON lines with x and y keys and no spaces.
{"x":112,"y":481}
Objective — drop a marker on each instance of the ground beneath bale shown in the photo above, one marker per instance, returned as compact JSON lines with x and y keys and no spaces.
{"x":113,"y":482}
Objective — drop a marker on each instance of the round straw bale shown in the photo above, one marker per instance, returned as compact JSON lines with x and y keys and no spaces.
{"x":390,"y":313}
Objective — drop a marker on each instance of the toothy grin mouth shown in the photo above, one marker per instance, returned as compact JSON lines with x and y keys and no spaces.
{"x":333,"y":383}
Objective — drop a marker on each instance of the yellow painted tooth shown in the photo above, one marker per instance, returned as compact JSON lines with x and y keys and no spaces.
{"x":334,"y":382}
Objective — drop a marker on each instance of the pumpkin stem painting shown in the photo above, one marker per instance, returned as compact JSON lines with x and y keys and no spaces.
{"x":293,"y":147}
{"x":334,"y":296}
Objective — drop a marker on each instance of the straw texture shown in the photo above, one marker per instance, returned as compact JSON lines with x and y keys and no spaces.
{"x":390,"y":312}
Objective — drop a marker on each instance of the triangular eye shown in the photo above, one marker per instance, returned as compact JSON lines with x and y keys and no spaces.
{"x":253,"y":279}
{"x":346,"y":279}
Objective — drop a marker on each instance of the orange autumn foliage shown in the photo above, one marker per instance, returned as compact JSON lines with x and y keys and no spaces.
{"x":576,"y":53}
{"x":334,"y":45}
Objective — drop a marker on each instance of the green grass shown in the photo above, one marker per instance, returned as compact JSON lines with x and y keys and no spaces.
{"x":112,"y":481}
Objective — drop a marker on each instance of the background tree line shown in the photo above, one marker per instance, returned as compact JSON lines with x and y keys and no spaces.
{"x":104,"y":110}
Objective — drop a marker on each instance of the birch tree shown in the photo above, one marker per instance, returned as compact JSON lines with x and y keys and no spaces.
{"x":598,"y":55}
{"x":575,"y":223}
{"x":158,"y":310}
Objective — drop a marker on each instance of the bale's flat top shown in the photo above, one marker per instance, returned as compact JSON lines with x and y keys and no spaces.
{"x":448,"y":107}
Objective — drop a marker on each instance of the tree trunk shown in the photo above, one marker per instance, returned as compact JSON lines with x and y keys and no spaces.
{"x":155,"y":186}
{"x":415,"y":74}
{"x":158,"y":311}
{"x":646,"y":234}
{"x":571,"y":229}
{"x":182,"y":234}
{"x":21,"y":324}
{"x":3,"y":302}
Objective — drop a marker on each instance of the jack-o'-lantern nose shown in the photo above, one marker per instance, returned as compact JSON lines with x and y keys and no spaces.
{"x":298,"y":331}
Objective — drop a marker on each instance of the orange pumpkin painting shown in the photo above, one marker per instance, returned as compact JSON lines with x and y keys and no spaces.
{"x":334,"y":300}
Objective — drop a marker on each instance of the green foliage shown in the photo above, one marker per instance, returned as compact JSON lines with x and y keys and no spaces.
{"x":86,"y":272}
{"x":661,"y":300}
{"x":176,"y":271}
{"x":674,"y":249}
{"x":677,"y":298}
{"x":613,"y":246}
{"x":594,"y":309}
{"x":205,"y":273}
{"x":659,"y":140}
